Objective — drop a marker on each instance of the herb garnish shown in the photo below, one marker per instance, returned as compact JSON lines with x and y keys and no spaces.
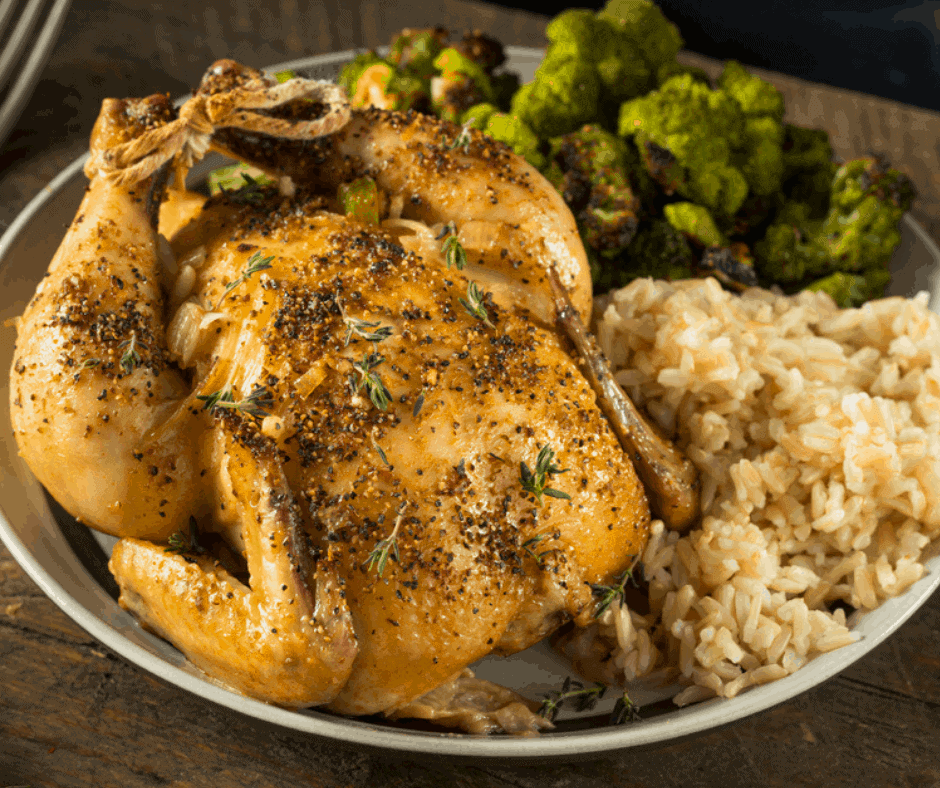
{"x":624,"y":711}
{"x":252,"y":193}
{"x":255,"y":404}
{"x":256,"y":263}
{"x":419,"y":403}
{"x":385,"y":548}
{"x":371,"y":332}
{"x":381,"y":453}
{"x":544,"y":467}
{"x":130,"y":360}
{"x":370,"y":380}
{"x":183,"y":544}
{"x":611,"y":593}
{"x":88,"y":363}
{"x":463,"y":139}
{"x":453,"y":250}
{"x":584,"y":698}
{"x":473,"y":303}
{"x":529,"y":547}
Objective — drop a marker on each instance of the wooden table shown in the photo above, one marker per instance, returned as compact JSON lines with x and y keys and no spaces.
{"x":73,"y":714}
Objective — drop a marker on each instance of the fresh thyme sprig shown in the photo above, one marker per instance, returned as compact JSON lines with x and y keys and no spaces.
{"x":453,"y":251}
{"x":251,"y":193}
{"x":534,"y":482}
{"x":370,"y":331}
{"x":609,"y":594}
{"x":130,"y":359}
{"x":256,"y":263}
{"x":254,"y":404}
{"x":185,"y":544}
{"x":371,"y":381}
{"x":584,"y":698}
{"x":386,"y":548}
{"x":529,"y":546}
{"x":473,"y":303}
{"x":462,"y":139}
{"x":88,"y":363}
{"x":381,"y":453}
{"x":625,"y":710}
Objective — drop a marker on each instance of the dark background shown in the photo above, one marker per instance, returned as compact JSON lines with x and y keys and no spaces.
{"x":888,"y":49}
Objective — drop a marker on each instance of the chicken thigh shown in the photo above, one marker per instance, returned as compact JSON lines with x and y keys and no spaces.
{"x":342,"y":470}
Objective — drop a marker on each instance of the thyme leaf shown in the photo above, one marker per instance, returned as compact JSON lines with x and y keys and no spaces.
{"x":381,"y":453}
{"x":185,"y":544}
{"x":473,"y":303}
{"x":254,"y":404}
{"x":584,"y":698}
{"x":463,"y":139}
{"x":624,"y":711}
{"x":371,"y":381}
{"x":534,"y":482}
{"x":385,"y":548}
{"x":609,"y":594}
{"x":130,"y":359}
{"x":454,"y":253}
{"x":88,"y":363}
{"x":256,"y":263}
{"x":419,"y":403}
{"x":370,"y":331}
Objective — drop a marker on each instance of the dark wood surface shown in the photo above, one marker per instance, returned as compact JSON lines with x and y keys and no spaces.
{"x":73,"y":714}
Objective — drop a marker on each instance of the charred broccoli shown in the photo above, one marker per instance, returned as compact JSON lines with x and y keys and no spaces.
{"x":858,"y":235}
{"x":414,"y":51}
{"x":461,"y":84}
{"x":588,"y":168}
{"x":808,"y":168}
{"x":349,"y":76}
{"x":658,"y":250}
{"x":562,"y":98}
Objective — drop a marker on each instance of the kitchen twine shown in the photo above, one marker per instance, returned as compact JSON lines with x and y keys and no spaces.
{"x":189,"y":136}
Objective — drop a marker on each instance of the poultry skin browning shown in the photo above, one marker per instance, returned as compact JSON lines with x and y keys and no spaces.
{"x":388,"y":543}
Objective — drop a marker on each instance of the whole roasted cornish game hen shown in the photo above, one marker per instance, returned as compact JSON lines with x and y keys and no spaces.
{"x":344,"y":445}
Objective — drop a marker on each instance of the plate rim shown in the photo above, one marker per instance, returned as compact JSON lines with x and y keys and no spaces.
{"x":658,"y":731}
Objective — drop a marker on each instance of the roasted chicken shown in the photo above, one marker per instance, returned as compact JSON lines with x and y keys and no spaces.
{"x":341,"y":470}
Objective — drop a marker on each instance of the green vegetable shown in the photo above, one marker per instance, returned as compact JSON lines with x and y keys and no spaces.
{"x":658,"y":250}
{"x":656,"y":37}
{"x":588,"y":168}
{"x":235,"y":177}
{"x":562,"y":98}
{"x":461,"y":85}
{"x":415,"y":51}
{"x":284,"y":76}
{"x":508,"y":129}
{"x":360,"y":199}
{"x":695,"y":222}
{"x":853,"y":289}
{"x":700,"y":128}
{"x":755,"y":97}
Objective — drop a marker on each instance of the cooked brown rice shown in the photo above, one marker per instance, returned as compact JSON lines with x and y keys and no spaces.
{"x":817,"y":434}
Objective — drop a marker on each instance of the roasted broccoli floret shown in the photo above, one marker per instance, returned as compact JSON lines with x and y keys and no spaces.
{"x":658,"y":250}
{"x":656,"y":37}
{"x":505,"y":86}
{"x":858,"y":235}
{"x":588,"y":168}
{"x":561,"y":99}
{"x":461,"y":84}
{"x":507,"y":129}
{"x":755,"y":97}
{"x":808,"y":167}
{"x":695,"y":222}
{"x":732,"y":265}
{"x":700,"y":128}
{"x":853,"y":289}
{"x":415,"y":50}
{"x":867,"y":202}
{"x":676,"y":69}
{"x":483,"y":50}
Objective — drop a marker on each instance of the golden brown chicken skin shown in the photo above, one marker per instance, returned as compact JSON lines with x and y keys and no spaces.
{"x":387,"y":468}
{"x":477,"y":564}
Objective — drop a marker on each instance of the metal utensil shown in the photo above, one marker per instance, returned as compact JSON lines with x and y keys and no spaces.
{"x":24,"y":53}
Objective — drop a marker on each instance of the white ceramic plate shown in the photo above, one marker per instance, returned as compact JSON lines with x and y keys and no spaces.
{"x":69,"y":562}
